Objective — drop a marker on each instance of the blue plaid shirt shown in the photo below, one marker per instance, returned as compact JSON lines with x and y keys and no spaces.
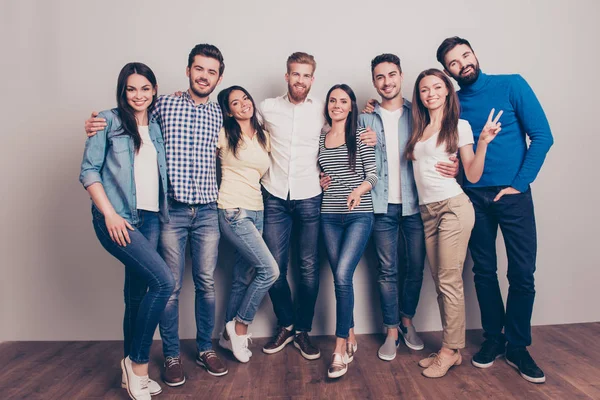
{"x":190,"y":132}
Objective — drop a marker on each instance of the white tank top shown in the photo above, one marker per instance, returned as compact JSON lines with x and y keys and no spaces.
{"x":432,"y":186}
{"x":146,"y":173}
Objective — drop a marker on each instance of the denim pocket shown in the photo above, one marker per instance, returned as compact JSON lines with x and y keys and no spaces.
{"x":120,"y":143}
{"x":231,"y":214}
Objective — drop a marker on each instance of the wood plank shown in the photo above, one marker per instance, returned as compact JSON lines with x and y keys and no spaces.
{"x":568,"y":354}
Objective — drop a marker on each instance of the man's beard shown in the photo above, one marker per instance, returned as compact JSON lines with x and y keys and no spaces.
{"x":198,"y":93}
{"x":298,"y":98}
{"x":468,"y":79}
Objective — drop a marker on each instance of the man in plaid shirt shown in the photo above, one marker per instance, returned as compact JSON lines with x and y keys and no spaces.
{"x":190,"y":125}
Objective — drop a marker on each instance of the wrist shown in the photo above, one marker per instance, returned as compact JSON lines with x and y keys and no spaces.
{"x":110,"y":214}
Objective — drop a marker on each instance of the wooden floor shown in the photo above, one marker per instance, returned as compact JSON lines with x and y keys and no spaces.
{"x":569,"y":355}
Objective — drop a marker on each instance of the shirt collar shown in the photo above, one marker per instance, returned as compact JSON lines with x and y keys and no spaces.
{"x":405,"y":104}
{"x":186,"y":95}
{"x":308,"y":99}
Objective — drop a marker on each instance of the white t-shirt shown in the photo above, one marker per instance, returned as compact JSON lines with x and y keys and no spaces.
{"x":390,"y":121}
{"x":431,"y":185}
{"x":146,"y":173}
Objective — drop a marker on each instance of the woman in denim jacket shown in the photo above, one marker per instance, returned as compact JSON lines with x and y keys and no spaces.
{"x":124,"y":171}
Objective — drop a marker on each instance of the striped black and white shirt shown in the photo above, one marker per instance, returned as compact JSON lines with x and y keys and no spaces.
{"x":334,"y":163}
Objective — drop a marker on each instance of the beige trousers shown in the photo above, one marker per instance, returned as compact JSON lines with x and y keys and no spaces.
{"x":448,"y":226}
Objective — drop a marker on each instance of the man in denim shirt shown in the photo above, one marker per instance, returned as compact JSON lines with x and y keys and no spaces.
{"x":190,"y":125}
{"x":395,"y":204}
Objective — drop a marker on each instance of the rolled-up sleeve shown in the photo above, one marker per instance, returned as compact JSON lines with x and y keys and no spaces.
{"x":94,"y":155}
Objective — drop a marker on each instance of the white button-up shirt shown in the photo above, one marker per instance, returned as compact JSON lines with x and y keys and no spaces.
{"x":295,"y":130}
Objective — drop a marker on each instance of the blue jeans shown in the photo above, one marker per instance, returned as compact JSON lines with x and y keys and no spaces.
{"x":280,"y":216}
{"x":515,"y":215}
{"x":148,"y":281}
{"x":255,"y":269}
{"x":346,"y":237}
{"x":386,"y":234}
{"x":200,"y":224}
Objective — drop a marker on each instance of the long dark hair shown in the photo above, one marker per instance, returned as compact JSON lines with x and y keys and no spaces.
{"x":351,"y":121}
{"x":233,"y":131}
{"x":126,"y":113}
{"x":420,"y":115}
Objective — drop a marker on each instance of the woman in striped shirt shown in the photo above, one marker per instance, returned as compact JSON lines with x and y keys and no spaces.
{"x":346,"y":211}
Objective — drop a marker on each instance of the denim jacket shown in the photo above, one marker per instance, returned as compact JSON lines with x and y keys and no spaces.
{"x":410,"y":201}
{"x":108,"y":158}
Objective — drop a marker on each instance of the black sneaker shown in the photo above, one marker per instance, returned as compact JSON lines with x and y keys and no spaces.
{"x":491,"y":349}
{"x":520,"y":359}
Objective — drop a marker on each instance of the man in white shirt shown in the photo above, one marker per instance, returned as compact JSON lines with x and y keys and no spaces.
{"x":292,"y":197}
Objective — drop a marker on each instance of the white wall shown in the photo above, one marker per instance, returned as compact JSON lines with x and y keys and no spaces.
{"x":61,"y":59}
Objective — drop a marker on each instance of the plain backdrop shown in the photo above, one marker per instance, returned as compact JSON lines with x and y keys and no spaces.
{"x":60,"y":61}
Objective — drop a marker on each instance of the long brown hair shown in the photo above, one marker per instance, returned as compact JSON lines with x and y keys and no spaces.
{"x":351,"y":121}
{"x":129,"y":123}
{"x":233,"y":132}
{"x":420,"y":115}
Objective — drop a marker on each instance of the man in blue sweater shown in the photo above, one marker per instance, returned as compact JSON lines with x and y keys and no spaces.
{"x":502,"y":197}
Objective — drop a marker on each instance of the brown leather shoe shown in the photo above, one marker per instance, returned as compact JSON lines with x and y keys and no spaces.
{"x":278,"y":342}
{"x":307,"y":349}
{"x":212,"y":363}
{"x":173,"y":375}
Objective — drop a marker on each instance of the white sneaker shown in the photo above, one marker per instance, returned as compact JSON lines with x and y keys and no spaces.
{"x":153,"y":386}
{"x":226,"y":344}
{"x":137,"y":386}
{"x":239,"y":343}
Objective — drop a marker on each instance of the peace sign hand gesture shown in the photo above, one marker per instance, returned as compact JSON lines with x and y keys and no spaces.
{"x":491,"y":128}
